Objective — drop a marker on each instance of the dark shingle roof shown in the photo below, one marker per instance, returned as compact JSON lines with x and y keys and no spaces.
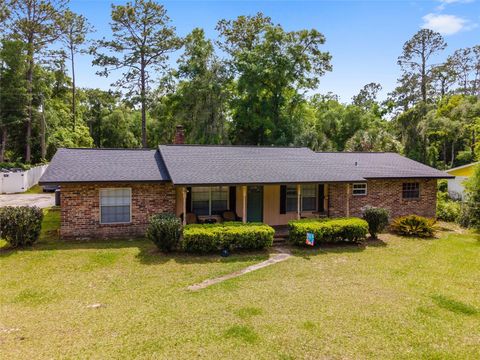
{"x":102,"y":165}
{"x":210,"y":164}
{"x":196,"y":165}
{"x":370,"y":165}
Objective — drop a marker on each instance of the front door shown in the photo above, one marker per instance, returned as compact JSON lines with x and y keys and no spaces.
{"x":255,"y":203}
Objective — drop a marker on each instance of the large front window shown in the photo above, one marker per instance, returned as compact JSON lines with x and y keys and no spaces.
{"x":308,"y":197}
{"x":209,"y":200}
{"x":115,"y":206}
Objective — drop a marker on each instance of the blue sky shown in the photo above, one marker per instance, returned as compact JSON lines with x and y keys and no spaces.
{"x":364,"y":37}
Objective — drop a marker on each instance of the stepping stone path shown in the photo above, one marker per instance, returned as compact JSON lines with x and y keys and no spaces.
{"x":280,"y":255}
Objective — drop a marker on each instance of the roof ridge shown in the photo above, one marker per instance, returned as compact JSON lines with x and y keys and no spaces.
{"x":122,"y":149}
{"x":357,"y":152}
{"x":248,"y":146}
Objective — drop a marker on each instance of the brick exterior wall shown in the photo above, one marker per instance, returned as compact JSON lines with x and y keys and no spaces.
{"x":386,"y":194}
{"x":80,"y":209}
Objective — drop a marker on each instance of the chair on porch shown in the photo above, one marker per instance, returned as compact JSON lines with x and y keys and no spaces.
{"x":230,"y":216}
{"x":191,"y":218}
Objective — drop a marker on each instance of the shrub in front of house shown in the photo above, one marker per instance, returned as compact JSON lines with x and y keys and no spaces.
{"x":164,"y":230}
{"x":20,"y":226}
{"x":413,"y":225}
{"x":447,"y":209}
{"x":351,"y":230}
{"x":229,"y":235}
{"x":377,"y":219}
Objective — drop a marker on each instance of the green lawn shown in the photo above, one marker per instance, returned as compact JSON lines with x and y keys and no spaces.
{"x":400,"y":298}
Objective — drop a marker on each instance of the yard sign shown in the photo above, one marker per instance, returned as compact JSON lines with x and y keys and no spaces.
{"x":310,"y":239}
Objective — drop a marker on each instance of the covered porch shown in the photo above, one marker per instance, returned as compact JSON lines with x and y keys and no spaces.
{"x":273,"y":204}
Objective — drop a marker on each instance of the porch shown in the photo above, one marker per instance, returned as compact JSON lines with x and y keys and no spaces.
{"x":270,"y":203}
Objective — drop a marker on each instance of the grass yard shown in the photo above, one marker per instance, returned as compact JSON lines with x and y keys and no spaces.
{"x":399,"y":298}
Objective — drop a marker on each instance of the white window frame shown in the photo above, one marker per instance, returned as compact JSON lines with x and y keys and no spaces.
{"x":100,"y":205}
{"x":362,"y":184}
{"x":210,"y":198}
{"x":301,"y":198}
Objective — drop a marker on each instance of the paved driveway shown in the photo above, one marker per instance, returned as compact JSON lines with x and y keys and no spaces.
{"x":40,"y":200}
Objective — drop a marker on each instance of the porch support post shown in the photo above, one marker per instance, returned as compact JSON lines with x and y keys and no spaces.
{"x":184,"y":205}
{"x":299,"y":202}
{"x":348,"y":200}
{"x":244,"y":202}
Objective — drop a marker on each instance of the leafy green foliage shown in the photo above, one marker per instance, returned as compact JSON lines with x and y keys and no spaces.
{"x":447,"y":209}
{"x":413,"y":225}
{"x":164,"y":230}
{"x":328,"y":231}
{"x":377,"y":219}
{"x":470,"y":211}
{"x":231,"y":235}
{"x":20,"y":226}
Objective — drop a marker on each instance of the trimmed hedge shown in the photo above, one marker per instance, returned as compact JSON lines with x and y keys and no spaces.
{"x":208,"y":238}
{"x":328,"y":230}
{"x":20,"y":226}
{"x":164,"y":231}
{"x":377,"y":219}
{"x":413,"y":225}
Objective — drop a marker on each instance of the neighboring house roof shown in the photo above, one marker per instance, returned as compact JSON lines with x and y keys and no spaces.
{"x":465,"y":170}
{"x":229,"y":165}
{"x":105,"y":165}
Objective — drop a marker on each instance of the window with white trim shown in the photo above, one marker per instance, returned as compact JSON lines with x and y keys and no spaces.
{"x":308,"y":197}
{"x":411,"y":190}
{"x":210,"y":200}
{"x":359,"y":189}
{"x":115,"y":205}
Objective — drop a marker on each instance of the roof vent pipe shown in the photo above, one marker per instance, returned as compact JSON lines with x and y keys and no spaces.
{"x":179,"y":135}
{"x":356,"y":163}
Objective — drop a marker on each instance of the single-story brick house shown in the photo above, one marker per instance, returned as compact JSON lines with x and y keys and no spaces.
{"x":113,"y":192}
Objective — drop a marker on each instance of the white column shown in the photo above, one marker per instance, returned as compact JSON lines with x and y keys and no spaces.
{"x":299,"y":202}
{"x":244,"y":206}
{"x":184,"y":205}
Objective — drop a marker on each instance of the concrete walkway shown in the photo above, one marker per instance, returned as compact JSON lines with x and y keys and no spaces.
{"x":40,"y":200}
{"x":280,"y":255}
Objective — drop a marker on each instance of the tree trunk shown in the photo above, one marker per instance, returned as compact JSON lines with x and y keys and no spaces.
{"x":43,"y":128}
{"x":28,"y":135}
{"x":453,"y":153}
{"x":4,"y":144}
{"x":424,"y":78}
{"x":143,"y":104}
{"x":74,"y":91}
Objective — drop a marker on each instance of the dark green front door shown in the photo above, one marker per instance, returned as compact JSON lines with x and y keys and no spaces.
{"x":255,"y":203}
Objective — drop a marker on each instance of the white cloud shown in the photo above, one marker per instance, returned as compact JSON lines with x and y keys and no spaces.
{"x":446,"y":24}
{"x":444,"y":3}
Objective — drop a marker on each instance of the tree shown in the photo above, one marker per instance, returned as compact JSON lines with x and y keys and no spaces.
{"x":203,"y":90}
{"x":274,"y":67}
{"x":144,"y":38}
{"x":462,"y":63}
{"x":367,"y":96}
{"x":36,"y":24}
{"x":13,"y":94}
{"x":74,"y":29}
{"x":416,"y":55}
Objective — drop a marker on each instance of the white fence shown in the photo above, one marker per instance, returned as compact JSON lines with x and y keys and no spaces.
{"x":17,"y":182}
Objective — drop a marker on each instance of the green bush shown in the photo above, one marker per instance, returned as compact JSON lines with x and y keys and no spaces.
{"x":377,"y":219}
{"x":328,"y":230}
{"x":164,"y":230}
{"x":413,"y":225}
{"x":20,"y":226}
{"x":470,"y":212}
{"x":447,"y":209}
{"x":229,"y":235}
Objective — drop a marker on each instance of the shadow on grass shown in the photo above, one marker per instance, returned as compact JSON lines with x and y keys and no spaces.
{"x":147,"y":252}
{"x":152,"y":256}
{"x":454,"y":306}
